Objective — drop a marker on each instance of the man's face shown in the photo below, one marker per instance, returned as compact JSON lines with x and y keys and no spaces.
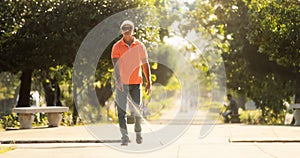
{"x":127,"y":30}
{"x":229,"y":97}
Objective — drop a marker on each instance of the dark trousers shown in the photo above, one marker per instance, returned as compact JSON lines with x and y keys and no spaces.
{"x":226,"y":114}
{"x":133,"y":94}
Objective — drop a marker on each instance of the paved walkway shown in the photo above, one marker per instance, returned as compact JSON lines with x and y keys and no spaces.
{"x":103,"y":140}
{"x":232,"y":140}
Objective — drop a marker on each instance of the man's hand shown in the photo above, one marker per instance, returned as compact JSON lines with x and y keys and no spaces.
{"x":118,"y":82}
{"x":148,"y":88}
{"x":147,"y":73}
{"x":119,"y":85}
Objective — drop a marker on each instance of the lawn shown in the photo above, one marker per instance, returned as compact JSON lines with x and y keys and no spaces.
{"x":4,"y":149}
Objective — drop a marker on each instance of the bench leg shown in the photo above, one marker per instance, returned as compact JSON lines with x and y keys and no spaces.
{"x":297,"y":117}
{"x":235,"y":119}
{"x":54,"y":119}
{"x":26,"y":121}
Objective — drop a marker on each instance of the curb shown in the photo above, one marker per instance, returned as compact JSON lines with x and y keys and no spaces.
{"x":56,"y":141}
{"x":264,"y":141}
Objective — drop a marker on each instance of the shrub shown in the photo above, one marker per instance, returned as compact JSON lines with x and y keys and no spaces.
{"x":255,"y":117}
{"x":251,"y":117}
{"x":10,"y":120}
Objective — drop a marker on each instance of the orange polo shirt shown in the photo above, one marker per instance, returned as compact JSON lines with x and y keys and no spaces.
{"x":130,"y":60}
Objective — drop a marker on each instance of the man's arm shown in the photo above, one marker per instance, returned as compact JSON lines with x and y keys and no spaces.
{"x":118,"y":83}
{"x":147,"y":73}
{"x":231,"y":105}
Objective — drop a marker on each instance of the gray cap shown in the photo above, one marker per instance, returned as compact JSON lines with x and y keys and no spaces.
{"x":127,"y":22}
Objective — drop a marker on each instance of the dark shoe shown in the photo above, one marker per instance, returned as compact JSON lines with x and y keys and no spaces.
{"x":124,"y":142}
{"x":139,"y":139}
{"x":226,"y":121}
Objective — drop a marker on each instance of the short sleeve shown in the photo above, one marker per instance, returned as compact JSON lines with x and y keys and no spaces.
{"x":114,"y":52}
{"x":144,"y":54}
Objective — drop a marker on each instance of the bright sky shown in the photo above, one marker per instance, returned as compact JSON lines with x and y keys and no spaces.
{"x":176,"y":41}
{"x":189,"y":1}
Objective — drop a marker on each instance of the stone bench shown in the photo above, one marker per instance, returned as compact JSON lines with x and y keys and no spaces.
{"x":296,"y":113}
{"x":54,"y":115}
{"x":235,"y":118}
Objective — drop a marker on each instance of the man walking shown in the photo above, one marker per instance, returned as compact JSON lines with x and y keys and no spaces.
{"x":231,"y":109}
{"x":128,"y":56}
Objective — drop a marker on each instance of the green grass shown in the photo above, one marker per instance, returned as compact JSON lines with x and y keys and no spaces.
{"x":6,"y":149}
{"x":156,"y":107}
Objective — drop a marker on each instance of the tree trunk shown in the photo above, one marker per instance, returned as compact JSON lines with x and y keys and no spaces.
{"x":57,"y":94}
{"x":75,"y":112}
{"x":241,"y":101}
{"x":297,"y":94}
{"x":297,"y":91}
{"x":24,"y":93}
{"x":52,"y":91}
{"x":49,"y":94}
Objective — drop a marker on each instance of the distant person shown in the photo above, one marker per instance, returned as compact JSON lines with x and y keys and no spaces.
{"x":231,"y":109}
{"x":128,"y":56}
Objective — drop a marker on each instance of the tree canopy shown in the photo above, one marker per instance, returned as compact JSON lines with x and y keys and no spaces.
{"x":259,"y":41}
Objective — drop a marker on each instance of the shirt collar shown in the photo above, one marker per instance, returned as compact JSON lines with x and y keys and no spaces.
{"x":134,"y":41}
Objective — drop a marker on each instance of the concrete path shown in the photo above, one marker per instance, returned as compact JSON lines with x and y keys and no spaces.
{"x":233,"y":140}
{"x":103,"y":140}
